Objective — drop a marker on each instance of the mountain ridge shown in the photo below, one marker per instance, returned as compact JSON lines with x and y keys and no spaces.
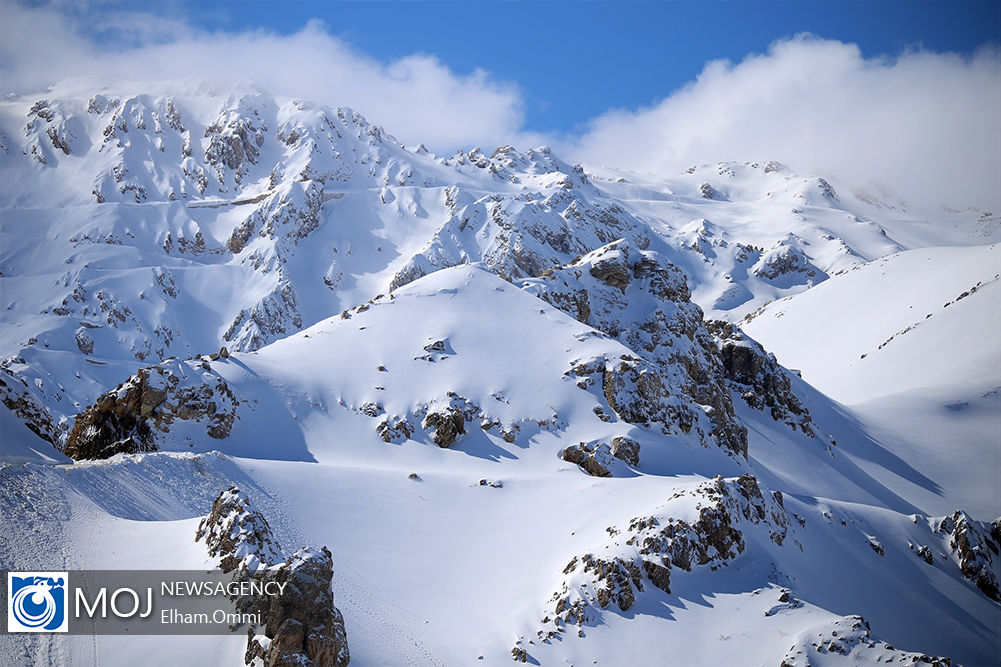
{"x":550,"y":357}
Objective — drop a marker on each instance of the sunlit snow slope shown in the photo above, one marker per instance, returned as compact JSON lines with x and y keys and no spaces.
{"x":536,"y":411}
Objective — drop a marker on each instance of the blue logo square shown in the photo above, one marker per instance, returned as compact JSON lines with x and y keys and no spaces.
{"x":36,"y":601}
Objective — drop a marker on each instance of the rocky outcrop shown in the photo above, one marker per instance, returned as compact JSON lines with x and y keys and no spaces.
{"x":601,"y":459}
{"x":785,"y":264}
{"x":974,"y":546}
{"x":236,"y":534}
{"x":446,"y":426}
{"x":758,"y":378}
{"x":16,"y":395}
{"x":639,"y":298}
{"x":670,"y":539}
{"x":848,"y":640}
{"x":556,"y":218}
{"x":301,"y":626}
{"x":132,"y":417}
{"x":275,"y":315}
{"x":441,"y":420}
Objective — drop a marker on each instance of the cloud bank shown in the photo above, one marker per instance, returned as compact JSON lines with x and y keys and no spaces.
{"x":416,"y":98}
{"x":927,"y":125}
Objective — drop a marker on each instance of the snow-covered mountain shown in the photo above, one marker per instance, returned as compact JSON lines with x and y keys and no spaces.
{"x":511,"y":395}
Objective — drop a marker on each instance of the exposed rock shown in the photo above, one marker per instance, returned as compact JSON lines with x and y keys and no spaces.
{"x":303,"y":626}
{"x":448,"y":424}
{"x":320,"y":638}
{"x":277,"y":313}
{"x":626,"y":449}
{"x":787,"y":264}
{"x":401,"y":429}
{"x":130,"y":418}
{"x":237,"y":534}
{"x":849,"y":637}
{"x":84,"y":342}
{"x":650,"y":547}
{"x":644,"y":302}
{"x":758,"y":378}
{"x":975,"y":547}
{"x":602,"y":460}
{"x":18,"y":398}
{"x":709,"y":192}
{"x":531,"y":231}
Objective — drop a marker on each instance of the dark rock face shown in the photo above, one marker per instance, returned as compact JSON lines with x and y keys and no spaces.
{"x":303,"y":625}
{"x":128,"y":419}
{"x":626,"y":449}
{"x":975,"y":547}
{"x":758,"y":377}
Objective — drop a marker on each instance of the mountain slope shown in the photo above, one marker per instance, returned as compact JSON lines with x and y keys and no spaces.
{"x":509,"y":394}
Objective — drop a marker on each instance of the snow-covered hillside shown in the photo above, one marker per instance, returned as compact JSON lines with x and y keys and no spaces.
{"x":511,"y":395}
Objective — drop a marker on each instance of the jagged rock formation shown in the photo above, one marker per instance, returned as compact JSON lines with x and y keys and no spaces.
{"x":787,"y":263}
{"x":302,"y":626}
{"x":641,"y":299}
{"x":132,"y":417}
{"x":236,"y":534}
{"x":528,"y":232}
{"x":758,"y":378}
{"x":651,"y":547}
{"x":974,"y":546}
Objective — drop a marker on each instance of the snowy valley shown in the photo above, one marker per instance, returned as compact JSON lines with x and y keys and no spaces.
{"x":537,"y":411}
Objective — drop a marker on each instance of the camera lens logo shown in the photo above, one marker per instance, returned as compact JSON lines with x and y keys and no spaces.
{"x":36,"y":601}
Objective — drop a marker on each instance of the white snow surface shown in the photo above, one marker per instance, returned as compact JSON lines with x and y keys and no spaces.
{"x":360,"y":285}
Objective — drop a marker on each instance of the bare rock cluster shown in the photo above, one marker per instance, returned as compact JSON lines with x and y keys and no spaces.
{"x":651,"y":548}
{"x":131,"y":418}
{"x":301,"y":626}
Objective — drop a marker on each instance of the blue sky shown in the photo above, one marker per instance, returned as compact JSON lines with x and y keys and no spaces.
{"x":574,"y":60}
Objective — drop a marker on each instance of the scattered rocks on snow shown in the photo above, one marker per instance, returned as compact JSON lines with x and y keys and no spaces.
{"x":849,"y":638}
{"x":447,"y":425}
{"x":600,"y":459}
{"x":651,"y":547}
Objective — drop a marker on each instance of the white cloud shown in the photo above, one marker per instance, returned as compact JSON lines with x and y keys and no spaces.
{"x":925,"y":124}
{"x":417,"y":98}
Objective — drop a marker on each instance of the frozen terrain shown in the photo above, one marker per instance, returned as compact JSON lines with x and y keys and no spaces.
{"x":536,"y":411}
